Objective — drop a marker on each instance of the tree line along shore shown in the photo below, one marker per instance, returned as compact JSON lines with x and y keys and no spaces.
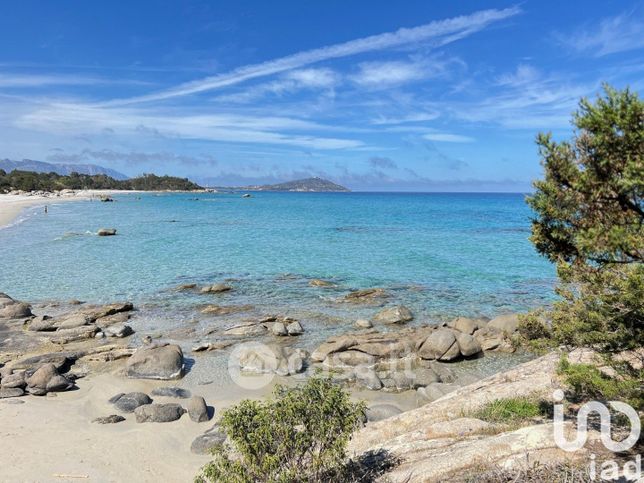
{"x":31,"y":181}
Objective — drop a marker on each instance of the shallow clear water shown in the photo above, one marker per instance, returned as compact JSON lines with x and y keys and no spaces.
{"x":440,"y":254}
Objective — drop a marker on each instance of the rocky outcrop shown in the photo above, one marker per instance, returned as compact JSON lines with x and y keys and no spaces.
{"x":438,"y":440}
{"x":316,"y":282}
{"x":404,"y":359}
{"x":156,"y":362}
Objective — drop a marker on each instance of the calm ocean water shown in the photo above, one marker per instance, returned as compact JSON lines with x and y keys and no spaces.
{"x":440,"y":254}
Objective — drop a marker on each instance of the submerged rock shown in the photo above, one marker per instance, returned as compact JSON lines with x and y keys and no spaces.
{"x":316,"y":282}
{"x":216,"y":288}
{"x":365,"y":296}
{"x":156,"y":362}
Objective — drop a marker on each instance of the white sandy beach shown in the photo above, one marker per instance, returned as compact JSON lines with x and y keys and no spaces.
{"x":11,"y":205}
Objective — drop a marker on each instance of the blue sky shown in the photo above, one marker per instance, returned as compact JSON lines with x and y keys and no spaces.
{"x":414,"y":95}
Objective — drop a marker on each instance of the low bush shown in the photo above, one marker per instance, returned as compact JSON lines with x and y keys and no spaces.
{"x":300,"y":435}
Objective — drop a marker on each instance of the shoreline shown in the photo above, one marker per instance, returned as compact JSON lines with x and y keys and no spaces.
{"x":12,"y":205}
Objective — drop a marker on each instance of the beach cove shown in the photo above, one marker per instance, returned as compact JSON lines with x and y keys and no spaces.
{"x":298,"y":301}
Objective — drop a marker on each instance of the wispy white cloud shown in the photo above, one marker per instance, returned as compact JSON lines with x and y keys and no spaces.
{"x":290,"y":82}
{"x":614,"y":34}
{"x":386,"y":74}
{"x":71,"y":119}
{"x":438,"y":33}
{"x":13,"y":80}
{"x":447,"y":137}
{"x":408,"y":118}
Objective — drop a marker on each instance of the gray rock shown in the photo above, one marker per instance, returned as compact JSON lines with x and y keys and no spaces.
{"x":111,"y":419}
{"x":197,"y":409}
{"x":158,"y":413}
{"x":216,"y":288}
{"x":294,"y":328}
{"x":106,"y":232}
{"x":59,"y":383}
{"x":42,"y":323}
{"x":368,"y":378}
{"x":435,"y":391}
{"x":73,"y":321}
{"x":127,"y":403}
{"x":363,"y":324}
{"x":279,"y":329}
{"x":14,"y":380}
{"x":6,"y":392}
{"x":206,"y":442}
{"x":398,"y":314}
{"x":403,"y":382}
{"x":47,"y":379}
{"x":441,"y":344}
{"x":156,"y":362}
{"x":15,"y":310}
{"x":349,"y":358}
{"x":271,"y":359}
{"x":366,"y":296}
{"x":424,"y":376}
{"x":58,"y":359}
{"x":468,"y":345}
{"x":63,"y":336}
{"x":378,"y":412}
{"x":465,"y":325}
{"x":118,"y":330}
{"x":171,"y":392}
{"x":505,"y":323}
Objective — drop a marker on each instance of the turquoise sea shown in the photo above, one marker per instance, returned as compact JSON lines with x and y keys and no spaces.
{"x":441,"y":254}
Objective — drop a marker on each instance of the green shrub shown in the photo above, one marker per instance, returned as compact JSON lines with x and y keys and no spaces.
{"x":300,"y":435}
{"x":587,"y":382}
{"x":512,"y":410}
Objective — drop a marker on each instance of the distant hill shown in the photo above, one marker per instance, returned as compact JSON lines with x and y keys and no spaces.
{"x":64,"y":169}
{"x":308,"y":184}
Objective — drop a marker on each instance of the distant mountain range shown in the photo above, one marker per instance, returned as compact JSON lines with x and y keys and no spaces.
{"x":64,"y":169}
{"x":308,"y":184}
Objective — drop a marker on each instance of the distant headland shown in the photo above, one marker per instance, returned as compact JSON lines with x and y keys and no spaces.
{"x":301,"y":185}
